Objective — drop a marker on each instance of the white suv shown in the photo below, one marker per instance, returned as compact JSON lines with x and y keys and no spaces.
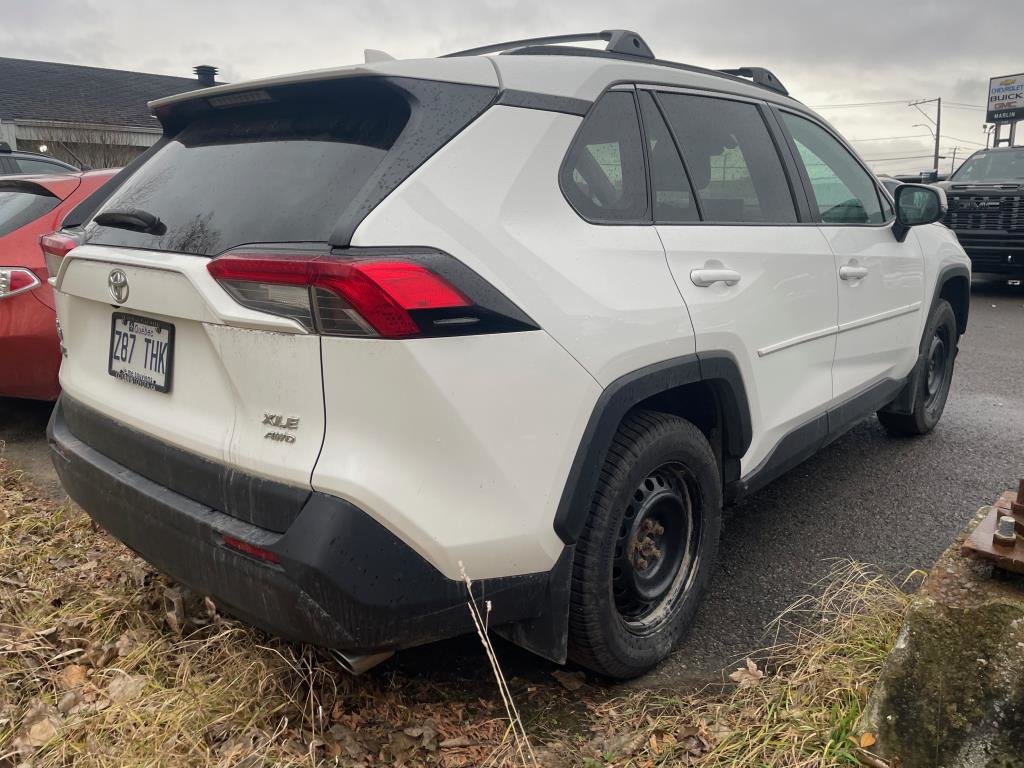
{"x":532,"y":313}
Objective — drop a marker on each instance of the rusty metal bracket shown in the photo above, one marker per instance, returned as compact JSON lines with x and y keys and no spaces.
{"x":996,"y":544}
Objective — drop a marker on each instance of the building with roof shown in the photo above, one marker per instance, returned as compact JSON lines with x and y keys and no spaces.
{"x":88,"y":116}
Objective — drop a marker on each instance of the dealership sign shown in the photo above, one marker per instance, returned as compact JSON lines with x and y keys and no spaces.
{"x":1005,"y":99}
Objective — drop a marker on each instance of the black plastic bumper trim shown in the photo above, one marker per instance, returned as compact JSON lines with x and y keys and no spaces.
{"x":344,"y":581}
{"x":265,"y":503}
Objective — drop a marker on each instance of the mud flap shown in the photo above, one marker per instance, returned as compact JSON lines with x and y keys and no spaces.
{"x":547,"y":635}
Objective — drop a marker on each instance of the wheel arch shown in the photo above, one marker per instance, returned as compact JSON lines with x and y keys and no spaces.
{"x":706,"y":389}
{"x":954,"y":285}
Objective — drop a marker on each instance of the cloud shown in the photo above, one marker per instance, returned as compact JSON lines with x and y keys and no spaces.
{"x":871,"y":51}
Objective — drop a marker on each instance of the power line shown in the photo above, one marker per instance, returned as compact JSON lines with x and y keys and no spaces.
{"x":859,"y":104}
{"x":890,"y":159}
{"x":893,"y":138}
{"x":967,"y":141}
{"x":963,"y":106}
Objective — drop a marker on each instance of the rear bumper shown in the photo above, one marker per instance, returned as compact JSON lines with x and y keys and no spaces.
{"x":343,"y":581}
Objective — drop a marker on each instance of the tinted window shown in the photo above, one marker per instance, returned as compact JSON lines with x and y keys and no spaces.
{"x":844,"y":192}
{"x":39,"y":166}
{"x":603,"y":176}
{"x":19,"y":206}
{"x":673,"y":198}
{"x":270,"y":173}
{"x":731,"y":158}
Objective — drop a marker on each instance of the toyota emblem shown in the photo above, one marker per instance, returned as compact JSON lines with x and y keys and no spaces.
{"x":117,"y":282}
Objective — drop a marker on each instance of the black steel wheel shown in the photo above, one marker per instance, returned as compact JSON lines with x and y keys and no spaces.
{"x":650,"y":542}
{"x":933,"y":378}
{"x":656,"y":549}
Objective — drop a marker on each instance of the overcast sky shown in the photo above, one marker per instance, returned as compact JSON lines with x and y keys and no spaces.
{"x":824,"y":52}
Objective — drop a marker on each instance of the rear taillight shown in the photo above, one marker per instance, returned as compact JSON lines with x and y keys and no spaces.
{"x":388,"y":296}
{"x":56,"y":246}
{"x":15,"y":280}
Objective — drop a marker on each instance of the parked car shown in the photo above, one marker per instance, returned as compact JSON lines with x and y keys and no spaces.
{"x":17,"y":162}
{"x":889,"y":183}
{"x":528,"y":315}
{"x":31,"y":206}
{"x":986,"y":209}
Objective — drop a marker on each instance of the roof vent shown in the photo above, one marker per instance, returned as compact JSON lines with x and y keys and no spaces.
{"x":206,"y":75}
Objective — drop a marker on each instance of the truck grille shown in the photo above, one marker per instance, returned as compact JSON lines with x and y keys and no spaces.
{"x":986,"y":212}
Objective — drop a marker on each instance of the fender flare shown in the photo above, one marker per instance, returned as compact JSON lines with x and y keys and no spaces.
{"x":947,"y":273}
{"x":719,"y":369}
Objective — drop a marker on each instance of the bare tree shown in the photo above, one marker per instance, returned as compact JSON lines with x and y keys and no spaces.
{"x":87,"y":147}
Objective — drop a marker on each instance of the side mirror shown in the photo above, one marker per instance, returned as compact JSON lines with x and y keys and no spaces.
{"x":917,"y":204}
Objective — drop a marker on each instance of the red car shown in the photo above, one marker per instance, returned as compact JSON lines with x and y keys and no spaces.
{"x":32,"y":206}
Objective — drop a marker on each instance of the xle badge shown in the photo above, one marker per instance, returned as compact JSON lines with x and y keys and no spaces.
{"x":280,"y":422}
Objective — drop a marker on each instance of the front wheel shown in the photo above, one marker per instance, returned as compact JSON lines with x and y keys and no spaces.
{"x":648,"y":548}
{"x":939,"y":349}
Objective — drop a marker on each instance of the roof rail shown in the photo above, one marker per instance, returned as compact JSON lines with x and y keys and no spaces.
{"x":621,"y":41}
{"x":760,"y":76}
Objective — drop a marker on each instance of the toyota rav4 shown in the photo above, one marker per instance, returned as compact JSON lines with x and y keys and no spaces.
{"x":529,"y":314}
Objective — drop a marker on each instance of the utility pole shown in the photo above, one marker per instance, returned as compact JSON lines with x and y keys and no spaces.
{"x":937,"y":122}
{"x":952,"y":163}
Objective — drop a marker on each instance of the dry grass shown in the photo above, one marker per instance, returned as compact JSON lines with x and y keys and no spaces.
{"x":105,"y":663}
{"x":799,"y":713}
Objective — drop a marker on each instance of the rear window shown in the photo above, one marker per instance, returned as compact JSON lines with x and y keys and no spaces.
{"x":275,"y":172}
{"x":23,"y":204}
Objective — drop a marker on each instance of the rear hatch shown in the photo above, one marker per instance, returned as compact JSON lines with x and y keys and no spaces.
{"x":225,"y":376}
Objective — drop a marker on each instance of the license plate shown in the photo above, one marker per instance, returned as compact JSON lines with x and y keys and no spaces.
{"x":141,"y":351}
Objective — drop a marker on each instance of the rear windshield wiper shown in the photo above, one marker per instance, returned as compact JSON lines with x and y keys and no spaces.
{"x":133,"y":219}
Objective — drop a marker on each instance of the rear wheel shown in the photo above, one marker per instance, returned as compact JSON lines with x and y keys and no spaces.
{"x":649,"y":545}
{"x":939,"y":348}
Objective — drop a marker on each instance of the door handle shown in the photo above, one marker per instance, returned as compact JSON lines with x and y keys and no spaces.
{"x":702,"y":278}
{"x":853,"y":273}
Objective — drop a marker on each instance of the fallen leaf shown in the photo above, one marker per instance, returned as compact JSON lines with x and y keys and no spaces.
{"x":41,"y":732}
{"x":176,"y":614}
{"x":124,"y":645}
{"x":345,"y":740}
{"x":571,"y":681}
{"x":426,"y":733}
{"x":72,"y":676}
{"x":749,"y":676}
{"x":867,"y":740}
{"x":39,"y":726}
{"x":126,"y":688}
{"x":69,"y":701}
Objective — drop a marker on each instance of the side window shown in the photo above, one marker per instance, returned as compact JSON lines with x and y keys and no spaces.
{"x":844,"y":192}
{"x":731,"y":158}
{"x":603,"y":175}
{"x":673,"y":197}
{"x":887,"y":210}
{"x":39,"y":166}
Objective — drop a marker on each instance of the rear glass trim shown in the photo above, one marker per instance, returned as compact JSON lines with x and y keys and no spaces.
{"x":436,"y":112}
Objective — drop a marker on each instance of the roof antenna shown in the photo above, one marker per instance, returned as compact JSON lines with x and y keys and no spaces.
{"x":373,"y":56}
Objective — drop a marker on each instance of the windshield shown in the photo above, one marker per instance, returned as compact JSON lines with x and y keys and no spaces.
{"x":1002,"y":165}
{"x":22,"y":205}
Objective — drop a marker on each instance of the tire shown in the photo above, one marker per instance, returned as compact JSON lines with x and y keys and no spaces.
{"x":938,"y":345}
{"x":648,"y":547}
